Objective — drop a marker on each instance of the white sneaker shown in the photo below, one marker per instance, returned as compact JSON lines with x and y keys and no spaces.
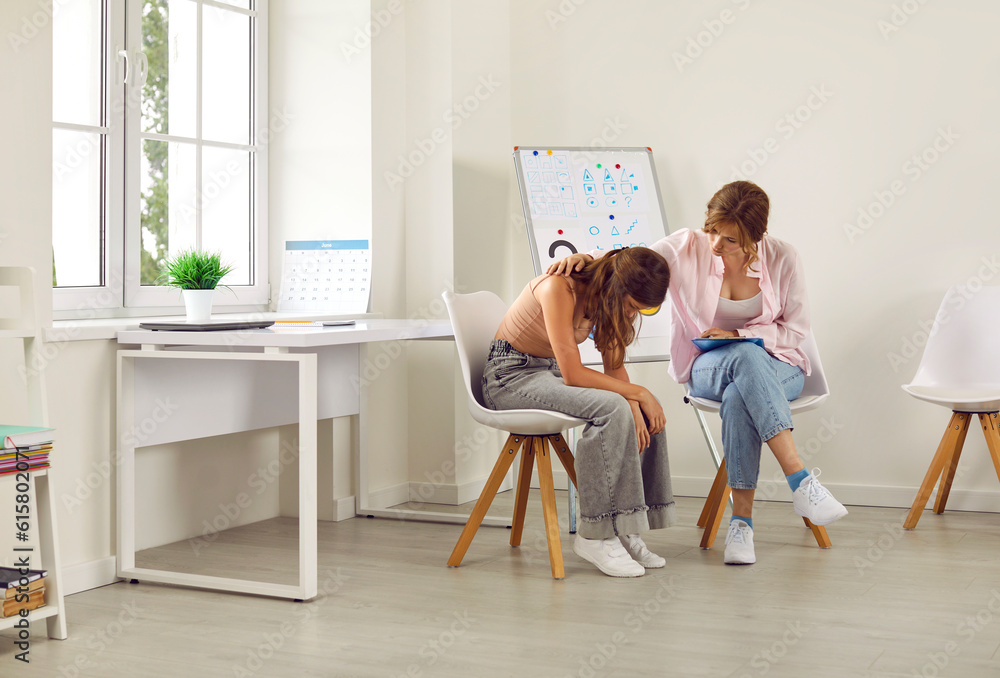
{"x":636,"y":548}
{"x":739,"y":544}
{"x":813,"y":501}
{"x":609,"y":556}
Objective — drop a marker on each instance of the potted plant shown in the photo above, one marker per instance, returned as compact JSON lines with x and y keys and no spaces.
{"x":196,"y":273}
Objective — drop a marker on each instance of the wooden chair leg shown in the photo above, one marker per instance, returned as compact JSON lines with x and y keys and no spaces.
{"x":543,"y":461}
{"x":485,"y":499}
{"x":822,"y":538}
{"x":523,"y":485}
{"x":957,"y":426}
{"x":565,"y":456}
{"x":950,"y":465}
{"x":713,"y":495}
{"x":714,"y":507}
{"x":991,"y":429}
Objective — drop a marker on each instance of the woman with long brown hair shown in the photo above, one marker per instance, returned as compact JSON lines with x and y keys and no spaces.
{"x":621,"y":458}
{"x":731,"y":279}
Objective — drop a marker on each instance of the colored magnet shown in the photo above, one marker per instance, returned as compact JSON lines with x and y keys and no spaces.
{"x":534,"y":152}
{"x":611,"y":217}
{"x":618,"y":166}
{"x":549,"y":152}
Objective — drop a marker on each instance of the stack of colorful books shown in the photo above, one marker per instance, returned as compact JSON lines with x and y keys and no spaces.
{"x":24,"y":448}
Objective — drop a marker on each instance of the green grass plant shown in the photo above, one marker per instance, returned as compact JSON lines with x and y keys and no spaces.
{"x":194,"y":270}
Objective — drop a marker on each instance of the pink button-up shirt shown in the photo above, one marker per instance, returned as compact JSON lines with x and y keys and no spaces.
{"x":695,"y":284}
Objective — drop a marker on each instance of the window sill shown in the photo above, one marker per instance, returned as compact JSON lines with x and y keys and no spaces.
{"x":107,"y":328}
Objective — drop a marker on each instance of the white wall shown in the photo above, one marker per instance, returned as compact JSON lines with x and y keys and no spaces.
{"x":579,"y":66}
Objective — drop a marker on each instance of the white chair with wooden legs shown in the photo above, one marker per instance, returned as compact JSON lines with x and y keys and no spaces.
{"x":815,"y":391}
{"x":959,"y":370}
{"x":475,"y":319}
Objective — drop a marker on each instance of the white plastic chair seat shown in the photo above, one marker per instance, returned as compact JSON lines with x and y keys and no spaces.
{"x":958,"y":398}
{"x":525,"y":422}
{"x":800,"y":404}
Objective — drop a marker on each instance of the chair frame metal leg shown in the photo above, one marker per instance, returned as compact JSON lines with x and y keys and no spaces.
{"x":571,"y":495}
{"x":949,"y":450}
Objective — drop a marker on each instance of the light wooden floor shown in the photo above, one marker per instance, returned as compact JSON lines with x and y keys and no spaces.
{"x":881,"y":602}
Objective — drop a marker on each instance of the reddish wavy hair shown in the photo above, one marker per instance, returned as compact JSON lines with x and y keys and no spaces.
{"x":638,"y":272}
{"x":745,"y":205}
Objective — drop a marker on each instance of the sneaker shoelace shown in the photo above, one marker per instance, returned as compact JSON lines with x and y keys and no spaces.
{"x":815,"y":491}
{"x":737,"y":533}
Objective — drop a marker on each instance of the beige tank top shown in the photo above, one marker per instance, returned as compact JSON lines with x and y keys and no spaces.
{"x":523,"y":327}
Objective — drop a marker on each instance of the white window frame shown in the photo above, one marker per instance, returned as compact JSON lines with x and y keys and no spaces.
{"x":98,"y":301}
{"x":121,"y":294}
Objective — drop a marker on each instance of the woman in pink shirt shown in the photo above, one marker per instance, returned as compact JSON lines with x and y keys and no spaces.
{"x":621,"y":458}
{"x":731,"y":279}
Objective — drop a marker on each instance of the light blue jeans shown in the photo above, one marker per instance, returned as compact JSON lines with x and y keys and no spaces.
{"x":754,"y":388}
{"x":621,"y":491}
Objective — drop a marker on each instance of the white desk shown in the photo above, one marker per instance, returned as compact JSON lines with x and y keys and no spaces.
{"x":215,"y":383}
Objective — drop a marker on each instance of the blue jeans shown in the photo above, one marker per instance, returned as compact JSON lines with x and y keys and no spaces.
{"x":621,"y":491}
{"x":754,"y":388}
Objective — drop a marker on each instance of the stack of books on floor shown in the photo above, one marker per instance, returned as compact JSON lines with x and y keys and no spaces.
{"x":20,"y":595}
{"x":20,"y":445}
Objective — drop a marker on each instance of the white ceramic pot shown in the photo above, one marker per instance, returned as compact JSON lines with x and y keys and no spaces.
{"x":198,"y":305}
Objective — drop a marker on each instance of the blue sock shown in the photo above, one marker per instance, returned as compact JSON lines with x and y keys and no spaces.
{"x":796,"y":479}
{"x":748,"y":521}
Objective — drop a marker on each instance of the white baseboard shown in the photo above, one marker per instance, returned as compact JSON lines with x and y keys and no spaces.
{"x":91,"y":575}
{"x":453,"y":494}
{"x":389,"y":496}
{"x":344,"y":508}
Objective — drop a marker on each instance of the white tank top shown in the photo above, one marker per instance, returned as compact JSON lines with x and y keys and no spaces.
{"x":734,"y":315}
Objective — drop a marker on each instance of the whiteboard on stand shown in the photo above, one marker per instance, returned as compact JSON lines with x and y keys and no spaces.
{"x":579,"y":199}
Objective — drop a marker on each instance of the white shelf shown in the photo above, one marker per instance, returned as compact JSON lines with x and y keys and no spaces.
{"x":38,"y":614}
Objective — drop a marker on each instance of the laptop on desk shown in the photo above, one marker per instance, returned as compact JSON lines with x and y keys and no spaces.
{"x":210,"y":326}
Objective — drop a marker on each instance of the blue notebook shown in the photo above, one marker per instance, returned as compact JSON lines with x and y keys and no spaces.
{"x":705,"y":345}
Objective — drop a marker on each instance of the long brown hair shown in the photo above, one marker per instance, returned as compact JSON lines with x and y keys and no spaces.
{"x":635,"y":271}
{"x":744,"y":204}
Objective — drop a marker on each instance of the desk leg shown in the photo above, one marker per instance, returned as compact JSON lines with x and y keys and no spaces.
{"x":308,"y":397}
{"x":125,"y":465}
{"x":308,"y":536}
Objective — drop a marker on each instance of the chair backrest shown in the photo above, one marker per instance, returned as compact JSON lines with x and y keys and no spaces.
{"x":815,"y":384}
{"x":474,"y":318}
{"x":961,"y":348}
{"x":17,"y":301}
